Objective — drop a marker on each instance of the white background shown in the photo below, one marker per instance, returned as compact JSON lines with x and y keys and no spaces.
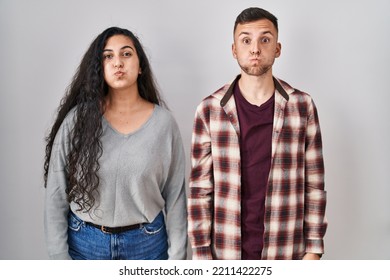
{"x":338,"y":51}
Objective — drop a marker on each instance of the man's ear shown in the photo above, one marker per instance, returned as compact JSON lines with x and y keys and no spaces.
{"x":278,"y":51}
{"x":234,"y":51}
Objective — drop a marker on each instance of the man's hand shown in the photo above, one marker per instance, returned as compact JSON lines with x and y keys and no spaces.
{"x":311,"y":256}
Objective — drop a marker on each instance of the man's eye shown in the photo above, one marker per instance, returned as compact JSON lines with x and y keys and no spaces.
{"x":246,"y":41}
{"x":265,"y":40}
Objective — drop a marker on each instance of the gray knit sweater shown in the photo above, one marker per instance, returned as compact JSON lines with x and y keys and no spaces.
{"x":141,"y":173}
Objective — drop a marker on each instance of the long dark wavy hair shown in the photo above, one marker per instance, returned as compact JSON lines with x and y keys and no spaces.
{"x":86,"y":93}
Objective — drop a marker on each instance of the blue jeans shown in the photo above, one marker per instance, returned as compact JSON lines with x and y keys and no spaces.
{"x":89,"y":243}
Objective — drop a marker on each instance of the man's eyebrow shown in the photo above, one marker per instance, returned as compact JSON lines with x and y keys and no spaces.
{"x":263,"y":33}
{"x":268,"y":32}
{"x":124,"y":47}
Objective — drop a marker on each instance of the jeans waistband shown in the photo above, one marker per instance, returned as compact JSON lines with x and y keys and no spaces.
{"x":115,"y":230}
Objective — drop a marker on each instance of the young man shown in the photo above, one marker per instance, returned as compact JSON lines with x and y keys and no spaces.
{"x":257,"y":178}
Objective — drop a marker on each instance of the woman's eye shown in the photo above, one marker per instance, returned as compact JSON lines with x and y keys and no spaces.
{"x":127,"y":54}
{"x":107,"y":56}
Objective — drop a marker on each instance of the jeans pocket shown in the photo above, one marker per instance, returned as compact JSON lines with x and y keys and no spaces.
{"x":156,"y":226}
{"x":74,"y":223}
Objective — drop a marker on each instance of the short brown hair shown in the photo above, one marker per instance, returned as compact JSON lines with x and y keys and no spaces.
{"x":253,"y":14}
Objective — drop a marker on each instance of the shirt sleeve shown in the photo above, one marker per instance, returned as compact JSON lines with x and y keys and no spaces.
{"x":175,"y":200}
{"x":201,"y":185}
{"x":56,"y":205}
{"x":315,"y":194}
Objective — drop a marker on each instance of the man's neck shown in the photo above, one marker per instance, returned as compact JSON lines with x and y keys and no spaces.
{"x":257,"y":89}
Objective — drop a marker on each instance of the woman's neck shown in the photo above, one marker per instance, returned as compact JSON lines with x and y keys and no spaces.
{"x":123,"y":101}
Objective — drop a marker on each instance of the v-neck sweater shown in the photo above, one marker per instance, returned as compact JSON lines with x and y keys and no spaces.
{"x":141,"y":174}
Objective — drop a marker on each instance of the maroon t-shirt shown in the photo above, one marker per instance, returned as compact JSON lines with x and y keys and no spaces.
{"x":255,"y":144}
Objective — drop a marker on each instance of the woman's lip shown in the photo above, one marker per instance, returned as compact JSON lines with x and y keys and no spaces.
{"x":119,"y":73}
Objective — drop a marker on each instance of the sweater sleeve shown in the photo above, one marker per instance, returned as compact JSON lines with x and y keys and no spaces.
{"x":315,"y":195}
{"x":201,"y":185}
{"x":56,"y":205}
{"x":175,"y":199}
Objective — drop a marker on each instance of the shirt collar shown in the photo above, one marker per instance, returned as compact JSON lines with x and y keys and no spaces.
{"x":229,"y":92}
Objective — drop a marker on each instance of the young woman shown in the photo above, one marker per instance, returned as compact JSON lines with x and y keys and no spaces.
{"x":114,"y":165}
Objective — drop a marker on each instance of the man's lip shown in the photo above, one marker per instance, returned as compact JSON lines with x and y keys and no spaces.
{"x":255,"y":58}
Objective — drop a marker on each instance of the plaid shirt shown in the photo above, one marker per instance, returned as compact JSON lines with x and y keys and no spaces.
{"x":294,"y":220}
